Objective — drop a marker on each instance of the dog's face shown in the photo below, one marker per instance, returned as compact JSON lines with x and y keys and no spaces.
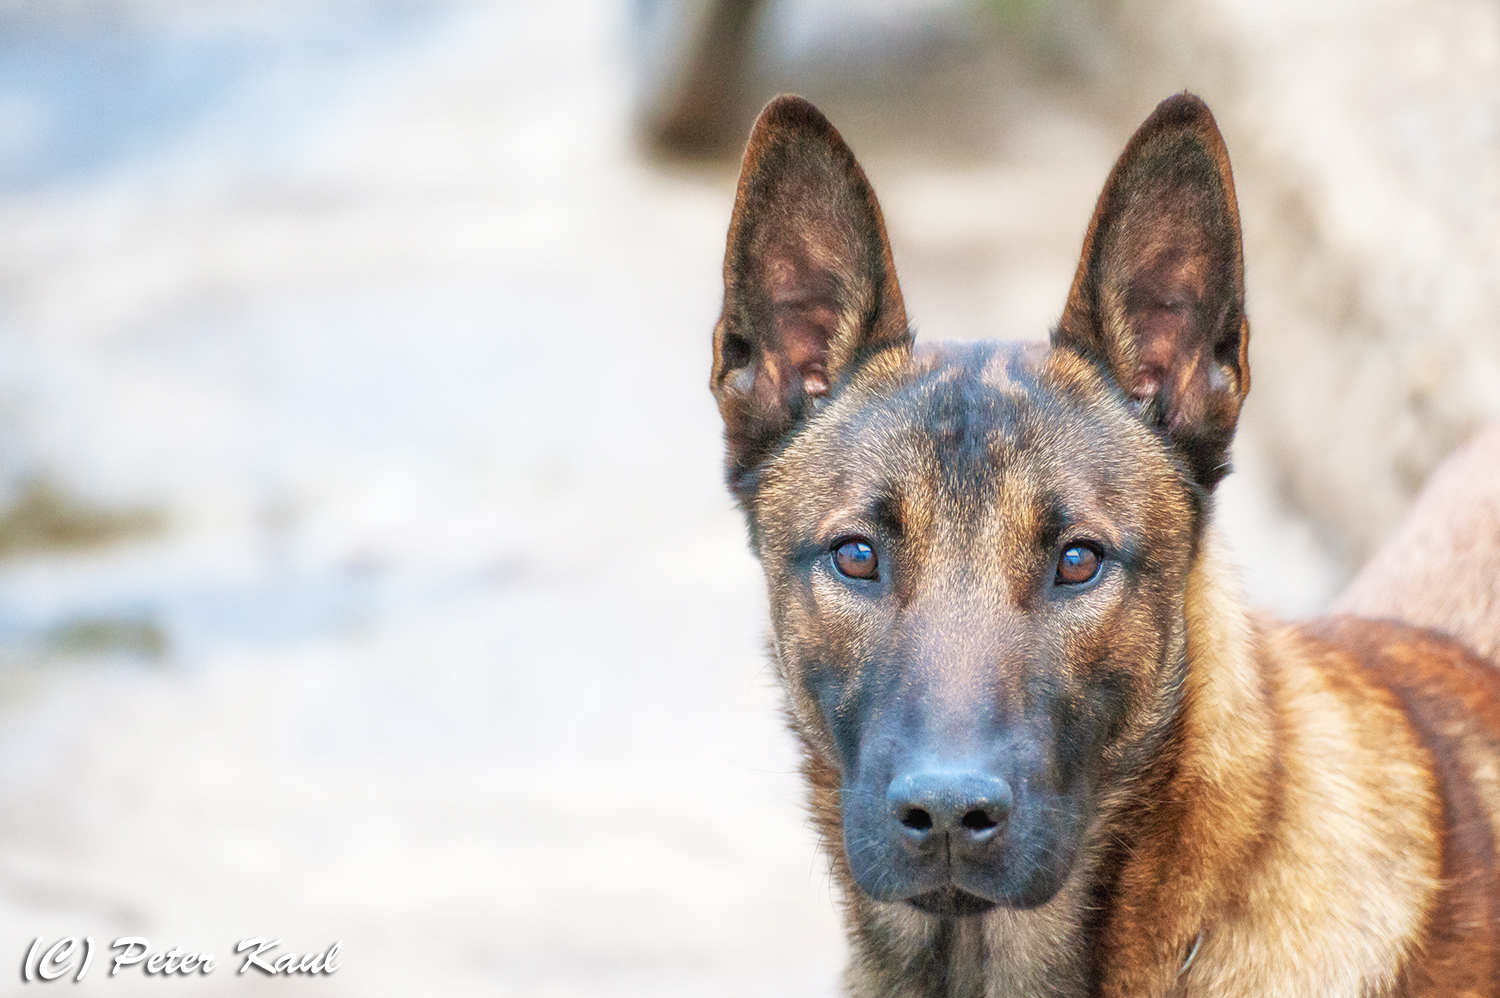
{"x":970,"y":557}
{"x":977,"y":555}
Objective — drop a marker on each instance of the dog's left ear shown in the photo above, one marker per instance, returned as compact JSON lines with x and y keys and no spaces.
{"x":1159,"y":298}
{"x":810,"y":290}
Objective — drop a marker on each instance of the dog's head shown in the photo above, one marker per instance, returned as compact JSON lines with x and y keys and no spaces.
{"x":977,"y":555}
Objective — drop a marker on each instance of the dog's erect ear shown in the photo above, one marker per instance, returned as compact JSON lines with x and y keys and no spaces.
{"x":809,"y":287}
{"x":1159,"y":297}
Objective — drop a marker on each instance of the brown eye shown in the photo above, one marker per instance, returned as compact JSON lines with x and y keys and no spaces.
{"x":1079,"y":564}
{"x":856,"y":559}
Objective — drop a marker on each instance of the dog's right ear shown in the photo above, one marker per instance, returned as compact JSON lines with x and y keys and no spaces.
{"x":809,"y":287}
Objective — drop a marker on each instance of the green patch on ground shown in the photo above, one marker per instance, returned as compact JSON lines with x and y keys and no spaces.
{"x":43,"y":517}
{"x":107,"y":635}
{"x":1025,"y":15}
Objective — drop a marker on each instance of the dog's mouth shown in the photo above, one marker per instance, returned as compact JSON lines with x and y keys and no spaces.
{"x":950,"y":902}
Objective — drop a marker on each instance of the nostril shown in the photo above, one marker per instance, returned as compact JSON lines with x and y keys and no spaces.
{"x":932,"y":803}
{"x":917,"y":820}
{"x":977,"y":821}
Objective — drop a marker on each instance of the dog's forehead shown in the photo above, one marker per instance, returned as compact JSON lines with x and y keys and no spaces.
{"x":973,"y":410}
{"x":968,"y":394}
{"x":963,"y":424}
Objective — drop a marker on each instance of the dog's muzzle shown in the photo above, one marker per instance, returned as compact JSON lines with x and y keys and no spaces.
{"x":954,"y":839}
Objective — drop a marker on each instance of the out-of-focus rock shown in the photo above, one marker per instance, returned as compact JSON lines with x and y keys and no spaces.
{"x":1366,"y":145}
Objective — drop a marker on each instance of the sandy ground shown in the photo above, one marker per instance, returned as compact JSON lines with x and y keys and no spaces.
{"x":463,"y":654}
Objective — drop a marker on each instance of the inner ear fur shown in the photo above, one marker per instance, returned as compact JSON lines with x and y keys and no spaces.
{"x":810,"y":290}
{"x":1158,"y":300}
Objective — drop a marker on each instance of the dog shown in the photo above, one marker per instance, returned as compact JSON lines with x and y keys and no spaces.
{"x":1048,"y":750}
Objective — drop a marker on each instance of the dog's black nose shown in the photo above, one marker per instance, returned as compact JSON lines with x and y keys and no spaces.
{"x":972,"y":805}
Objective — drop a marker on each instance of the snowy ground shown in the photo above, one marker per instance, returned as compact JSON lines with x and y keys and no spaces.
{"x":378,"y":304}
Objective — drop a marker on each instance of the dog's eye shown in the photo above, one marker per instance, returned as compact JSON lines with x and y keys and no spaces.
{"x":1078,"y":564}
{"x":855,"y":558}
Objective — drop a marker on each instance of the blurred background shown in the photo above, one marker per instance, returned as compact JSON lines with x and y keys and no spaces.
{"x":366,"y":572}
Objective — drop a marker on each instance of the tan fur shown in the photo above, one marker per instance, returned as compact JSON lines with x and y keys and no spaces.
{"x":1312,"y":868}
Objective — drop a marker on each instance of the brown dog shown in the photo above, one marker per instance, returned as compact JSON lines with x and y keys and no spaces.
{"x":1049,"y":752}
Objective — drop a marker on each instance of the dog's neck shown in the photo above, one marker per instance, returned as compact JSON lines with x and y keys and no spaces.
{"x":1213,"y":805}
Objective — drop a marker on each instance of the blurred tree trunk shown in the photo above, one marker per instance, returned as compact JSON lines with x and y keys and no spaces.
{"x":693,"y":61}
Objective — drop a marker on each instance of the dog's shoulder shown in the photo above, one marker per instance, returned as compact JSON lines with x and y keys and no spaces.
{"x":1450,"y":694}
